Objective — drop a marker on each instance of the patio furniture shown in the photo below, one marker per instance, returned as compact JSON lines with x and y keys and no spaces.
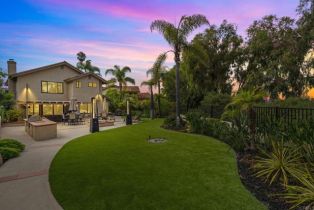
{"x":72,"y":119}
{"x":64,"y":119}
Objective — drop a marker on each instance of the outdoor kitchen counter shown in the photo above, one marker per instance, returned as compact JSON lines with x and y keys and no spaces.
{"x":41,"y":130}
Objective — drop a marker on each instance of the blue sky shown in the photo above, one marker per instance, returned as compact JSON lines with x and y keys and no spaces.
{"x":41,"y":32}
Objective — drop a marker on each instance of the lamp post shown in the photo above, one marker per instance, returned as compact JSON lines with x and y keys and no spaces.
{"x":128,"y":120}
{"x":94,"y":123}
{"x":26,"y":100}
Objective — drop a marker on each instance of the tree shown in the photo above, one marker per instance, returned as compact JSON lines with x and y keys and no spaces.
{"x":212,"y":57}
{"x":157,"y":72}
{"x":176,"y":36}
{"x":86,"y":66}
{"x":150,"y":83}
{"x":275,"y":57}
{"x":119,"y":75}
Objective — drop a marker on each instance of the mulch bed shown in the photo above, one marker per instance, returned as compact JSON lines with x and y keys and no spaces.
{"x":262,"y":191}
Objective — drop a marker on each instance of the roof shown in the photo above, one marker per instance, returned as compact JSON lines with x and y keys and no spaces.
{"x":63,"y":63}
{"x":144,"y":96}
{"x":131,"y":89}
{"x":85,"y":75}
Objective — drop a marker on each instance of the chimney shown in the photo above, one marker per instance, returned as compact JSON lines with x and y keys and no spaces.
{"x":11,"y":67}
{"x":11,"y":81}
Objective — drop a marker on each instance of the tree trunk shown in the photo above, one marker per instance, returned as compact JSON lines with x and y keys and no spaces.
{"x":152,"y":114}
{"x":177,"y":61}
{"x":159,"y":106}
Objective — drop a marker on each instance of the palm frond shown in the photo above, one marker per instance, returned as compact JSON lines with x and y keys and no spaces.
{"x":190,"y":23}
{"x":130,"y":80}
{"x":167,"y":29}
{"x":126,"y":69}
{"x":109,"y":71}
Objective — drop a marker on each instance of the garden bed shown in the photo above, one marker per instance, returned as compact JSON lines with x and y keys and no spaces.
{"x":261,"y":190}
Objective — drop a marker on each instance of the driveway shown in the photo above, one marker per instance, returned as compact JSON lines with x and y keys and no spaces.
{"x":24,"y":180}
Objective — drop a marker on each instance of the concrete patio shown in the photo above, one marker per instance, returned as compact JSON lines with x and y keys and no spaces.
{"x":24,"y":180}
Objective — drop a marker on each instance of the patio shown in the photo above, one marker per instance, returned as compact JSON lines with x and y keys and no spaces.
{"x":26,"y":178}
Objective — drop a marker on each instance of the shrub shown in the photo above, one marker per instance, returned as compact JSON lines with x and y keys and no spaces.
{"x":233,"y":135}
{"x":8,"y":153}
{"x":10,"y":143}
{"x":281,"y":164}
{"x":170,"y":123}
{"x":213,"y":104}
{"x":301,"y":194}
{"x":13,"y":115}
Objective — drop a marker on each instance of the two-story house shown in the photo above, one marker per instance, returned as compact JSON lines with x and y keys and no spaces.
{"x":55,"y":89}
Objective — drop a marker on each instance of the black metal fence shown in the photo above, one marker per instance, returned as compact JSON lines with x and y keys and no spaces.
{"x":286,"y":115}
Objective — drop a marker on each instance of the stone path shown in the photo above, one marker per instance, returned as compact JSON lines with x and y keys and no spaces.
{"x":24,"y":180}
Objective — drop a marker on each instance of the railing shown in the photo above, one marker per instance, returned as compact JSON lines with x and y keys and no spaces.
{"x":286,"y":115}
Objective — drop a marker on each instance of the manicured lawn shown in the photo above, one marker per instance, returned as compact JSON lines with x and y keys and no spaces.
{"x":118,"y":169}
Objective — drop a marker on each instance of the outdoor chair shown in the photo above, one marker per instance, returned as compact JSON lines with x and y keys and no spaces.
{"x":72,"y":119}
{"x":64,"y":119}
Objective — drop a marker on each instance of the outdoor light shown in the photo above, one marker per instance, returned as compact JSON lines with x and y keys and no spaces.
{"x":94,"y":123}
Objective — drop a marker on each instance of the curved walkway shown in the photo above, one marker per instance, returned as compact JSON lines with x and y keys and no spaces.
{"x":24,"y":180}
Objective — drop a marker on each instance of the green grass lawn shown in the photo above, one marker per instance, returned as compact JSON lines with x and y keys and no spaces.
{"x":118,"y":169}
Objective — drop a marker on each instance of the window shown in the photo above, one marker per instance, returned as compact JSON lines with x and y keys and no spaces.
{"x":47,"y":109}
{"x":51,"y":87}
{"x":33,"y":109}
{"x":85,"y":108}
{"x":58,"y":109}
{"x":78,"y":84}
{"x":92,"y":84}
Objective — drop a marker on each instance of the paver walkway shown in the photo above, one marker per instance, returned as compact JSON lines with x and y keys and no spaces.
{"x":24,"y":180}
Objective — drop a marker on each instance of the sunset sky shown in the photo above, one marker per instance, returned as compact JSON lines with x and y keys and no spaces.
{"x":42,"y":32}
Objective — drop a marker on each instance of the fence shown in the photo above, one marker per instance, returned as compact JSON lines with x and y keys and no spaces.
{"x":286,"y":115}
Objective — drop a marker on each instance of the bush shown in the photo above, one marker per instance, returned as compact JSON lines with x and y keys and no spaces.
{"x":170,"y":123}
{"x":10,"y":143}
{"x":213,"y":104}
{"x":13,"y":115}
{"x":8,"y":153}
{"x":232,"y":135}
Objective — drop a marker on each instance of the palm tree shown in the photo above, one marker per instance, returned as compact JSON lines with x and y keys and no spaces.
{"x":150,"y":83}
{"x":86,"y":66}
{"x":120,"y":76}
{"x":176,"y":36}
{"x":157,"y":72}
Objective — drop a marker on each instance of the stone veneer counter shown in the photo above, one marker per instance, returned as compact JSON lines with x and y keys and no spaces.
{"x":43,"y":129}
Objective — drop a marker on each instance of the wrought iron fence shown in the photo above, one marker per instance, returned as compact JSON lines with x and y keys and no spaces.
{"x":286,"y":115}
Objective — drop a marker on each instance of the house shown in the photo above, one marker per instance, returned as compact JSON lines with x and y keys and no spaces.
{"x":55,"y":89}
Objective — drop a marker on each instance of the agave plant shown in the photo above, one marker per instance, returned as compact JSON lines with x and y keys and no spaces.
{"x":301,"y":195}
{"x":281,"y":164}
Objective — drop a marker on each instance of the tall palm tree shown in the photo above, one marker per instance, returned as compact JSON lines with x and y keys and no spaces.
{"x":119,"y":75}
{"x":86,"y":66}
{"x":176,"y":36}
{"x":150,"y":83}
{"x":157,"y":72}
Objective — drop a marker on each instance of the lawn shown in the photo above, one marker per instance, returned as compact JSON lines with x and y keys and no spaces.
{"x":118,"y":169}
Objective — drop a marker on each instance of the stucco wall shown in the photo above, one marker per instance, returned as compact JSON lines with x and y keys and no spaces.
{"x":84,"y":93}
{"x":33,"y":80}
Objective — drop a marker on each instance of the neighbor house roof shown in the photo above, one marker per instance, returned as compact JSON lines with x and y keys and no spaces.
{"x":144,"y":96}
{"x":131,"y":89}
{"x":63,"y":63}
{"x":85,"y":75}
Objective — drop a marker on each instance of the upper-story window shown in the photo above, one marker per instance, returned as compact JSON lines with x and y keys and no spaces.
{"x":78,"y":84}
{"x":92,"y":84}
{"x":52,"y":87}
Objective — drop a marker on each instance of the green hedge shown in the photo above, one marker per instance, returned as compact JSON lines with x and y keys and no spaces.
{"x":236,"y":137}
{"x":10,"y":143}
{"x":10,"y":148}
{"x":8,"y":153}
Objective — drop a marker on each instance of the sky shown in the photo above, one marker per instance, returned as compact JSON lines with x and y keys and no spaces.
{"x":111,"y":32}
